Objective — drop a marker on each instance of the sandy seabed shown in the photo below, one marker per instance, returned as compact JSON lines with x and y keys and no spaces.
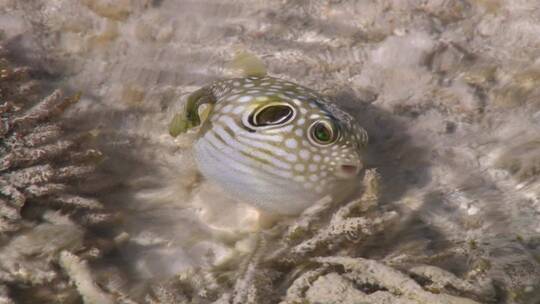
{"x":449,"y":92}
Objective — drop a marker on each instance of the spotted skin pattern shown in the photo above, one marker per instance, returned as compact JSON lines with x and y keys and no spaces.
{"x":279,"y":167}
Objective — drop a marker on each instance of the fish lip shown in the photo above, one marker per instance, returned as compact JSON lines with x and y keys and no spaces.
{"x":348,"y":169}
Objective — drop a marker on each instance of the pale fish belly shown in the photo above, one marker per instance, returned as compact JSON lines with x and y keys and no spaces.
{"x":245,"y":180}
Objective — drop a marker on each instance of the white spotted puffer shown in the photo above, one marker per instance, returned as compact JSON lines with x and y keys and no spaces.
{"x":274,"y":144}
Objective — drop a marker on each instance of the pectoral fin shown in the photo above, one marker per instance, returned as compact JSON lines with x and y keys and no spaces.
{"x":189,"y":117}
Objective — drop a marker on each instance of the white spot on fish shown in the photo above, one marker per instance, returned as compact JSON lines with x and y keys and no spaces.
{"x":245,"y":98}
{"x":299,"y":178}
{"x":291,"y":143}
{"x":239,"y":110}
{"x":291,"y":157}
{"x":304,"y":154}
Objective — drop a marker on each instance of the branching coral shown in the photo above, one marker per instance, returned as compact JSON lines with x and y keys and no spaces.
{"x":40,"y":168}
{"x":38,"y":163}
{"x":198,"y":284}
{"x":298,"y":270}
{"x":389,"y":283}
{"x":80,"y":274}
{"x":344,"y":225}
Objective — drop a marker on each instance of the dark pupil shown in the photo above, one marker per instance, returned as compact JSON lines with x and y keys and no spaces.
{"x":272,"y":115}
{"x":322,"y":132}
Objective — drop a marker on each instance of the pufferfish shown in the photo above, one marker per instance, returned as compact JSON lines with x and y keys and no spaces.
{"x":274,"y":144}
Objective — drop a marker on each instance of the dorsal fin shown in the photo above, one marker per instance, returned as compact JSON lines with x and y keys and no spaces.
{"x":246,"y":64}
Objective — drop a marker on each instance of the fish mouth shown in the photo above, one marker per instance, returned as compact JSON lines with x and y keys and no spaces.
{"x":348,"y":169}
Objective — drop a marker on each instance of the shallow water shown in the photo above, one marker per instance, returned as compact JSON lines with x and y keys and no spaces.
{"x":447,"y":90}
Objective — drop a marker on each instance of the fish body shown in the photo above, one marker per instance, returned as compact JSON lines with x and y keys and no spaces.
{"x":275,"y":144}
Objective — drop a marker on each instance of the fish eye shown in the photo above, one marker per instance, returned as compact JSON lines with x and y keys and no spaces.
{"x":271,"y":115}
{"x":322,"y":133}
